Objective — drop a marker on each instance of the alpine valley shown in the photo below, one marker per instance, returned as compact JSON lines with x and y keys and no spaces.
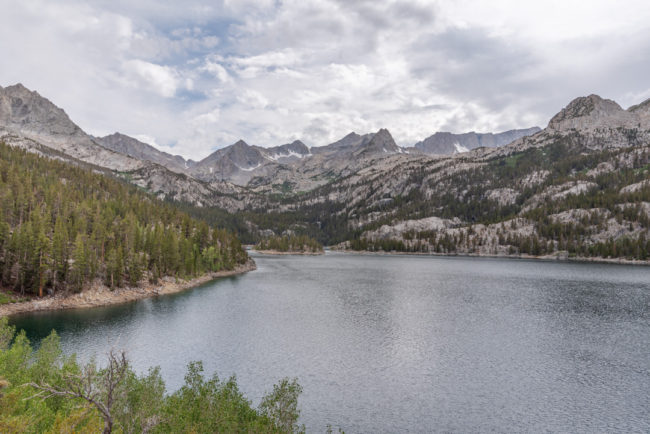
{"x":578,"y":188}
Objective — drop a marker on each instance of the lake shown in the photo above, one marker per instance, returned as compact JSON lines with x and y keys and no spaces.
{"x":403,"y":343}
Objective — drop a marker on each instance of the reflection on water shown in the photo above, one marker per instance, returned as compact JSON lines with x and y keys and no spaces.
{"x":394,"y":343}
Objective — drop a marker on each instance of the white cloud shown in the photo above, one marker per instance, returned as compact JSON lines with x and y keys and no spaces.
{"x":253,"y":99}
{"x":217,"y":70}
{"x":160,"y":79}
{"x":207,"y":118}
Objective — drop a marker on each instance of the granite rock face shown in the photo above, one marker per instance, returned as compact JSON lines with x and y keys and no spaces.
{"x":592,"y":111}
{"x":602,"y":123}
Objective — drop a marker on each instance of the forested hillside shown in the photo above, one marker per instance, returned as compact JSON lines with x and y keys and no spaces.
{"x":63,"y":226}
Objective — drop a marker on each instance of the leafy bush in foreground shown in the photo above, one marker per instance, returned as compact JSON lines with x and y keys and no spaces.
{"x":45,"y":391}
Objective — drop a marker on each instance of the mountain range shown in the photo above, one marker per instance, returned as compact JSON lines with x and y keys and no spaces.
{"x":478,"y":193}
{"x":28,"y":118}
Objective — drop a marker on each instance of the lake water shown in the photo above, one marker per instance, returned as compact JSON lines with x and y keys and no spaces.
{"x":403,"y":344}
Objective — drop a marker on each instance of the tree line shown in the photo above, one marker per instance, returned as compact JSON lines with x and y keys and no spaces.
{"x":290,"y":243}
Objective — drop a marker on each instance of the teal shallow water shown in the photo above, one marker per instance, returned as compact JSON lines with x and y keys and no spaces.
{"x":403,"y":343}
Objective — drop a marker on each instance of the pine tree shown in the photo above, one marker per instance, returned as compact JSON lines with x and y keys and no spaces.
{"x":59,"y":254}
{"x":79,"y":270}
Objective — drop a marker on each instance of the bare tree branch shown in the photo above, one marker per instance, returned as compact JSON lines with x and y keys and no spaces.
{"x":96,"y":388}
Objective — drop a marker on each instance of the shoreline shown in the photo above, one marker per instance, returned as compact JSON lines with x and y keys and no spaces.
{"x":277,"y":252}
{"x":546,"y":258}
{"x":98,"y":295}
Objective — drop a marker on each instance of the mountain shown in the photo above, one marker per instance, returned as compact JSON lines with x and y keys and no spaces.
{"x":381,"y":143}
{"x":449,"y":143}
{"x":325,"y":164}
{"x":591,"y":111}
{"x":233,"y":163}
{"x":290,"y":152}
{"x":31,"y":122}
{"x":292,"y":163}
{"x":25,"y":114}
{"x":346,"y":144}
{"x":599,"y":124}
{"x":580,"y":187}
{"x":134,"y":148}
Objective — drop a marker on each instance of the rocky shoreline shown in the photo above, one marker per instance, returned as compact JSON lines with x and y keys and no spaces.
{"x":100,"y":295}
{"x":277,"y":252}
{"x":554,"y":258}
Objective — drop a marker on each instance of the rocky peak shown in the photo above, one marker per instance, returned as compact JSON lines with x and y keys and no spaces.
{"x":293,"y":151}
{"x":587,"y":111}
{"x":116,"y":136}
{"x":643,"y":107}
{"x":299,"y":146}
{"x":240,"y":144}
{"x":351,"y":137}
{"x":347,"y":143}
{"x":381,"y":143}
{"x":27,"y":111}
{"x":240,"y":154}
{"x":17,"y":89}
{"x":296,"y":147}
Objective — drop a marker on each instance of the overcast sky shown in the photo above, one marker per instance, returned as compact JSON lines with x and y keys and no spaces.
{"x":194,"y":76}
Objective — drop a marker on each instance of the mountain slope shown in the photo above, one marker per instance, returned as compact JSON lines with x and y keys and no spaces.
{"x":24,"y":113}
{"x":31,"y":122}
{"x":134,"y":148}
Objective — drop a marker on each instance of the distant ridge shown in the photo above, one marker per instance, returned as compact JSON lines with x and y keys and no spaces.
{"x":135,"y":148}
{"x":448,"y":143}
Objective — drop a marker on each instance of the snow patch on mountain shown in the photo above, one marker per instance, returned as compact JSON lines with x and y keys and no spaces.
{"x":276,"y":156}
{"x":250,"y":168}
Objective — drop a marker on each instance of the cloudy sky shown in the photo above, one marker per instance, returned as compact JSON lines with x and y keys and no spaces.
{"x":194,"y":76}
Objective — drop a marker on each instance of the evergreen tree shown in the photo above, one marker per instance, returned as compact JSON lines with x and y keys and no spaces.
{"x":79,"y":272}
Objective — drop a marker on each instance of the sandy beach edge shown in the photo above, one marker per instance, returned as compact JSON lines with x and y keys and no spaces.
{"x":98,"y":294}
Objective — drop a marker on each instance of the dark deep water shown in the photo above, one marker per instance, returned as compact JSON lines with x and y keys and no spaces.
{"x":397,"y":344}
